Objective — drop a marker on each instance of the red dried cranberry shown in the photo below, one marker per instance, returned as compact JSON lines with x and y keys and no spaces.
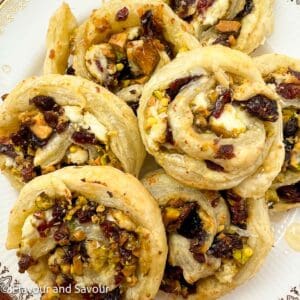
{"x":225,"y":152}
{"x":24,"y":138}
{"x":110,"y":230}
{"x":126,"y":257}
{"x":28,"y":172}
{"x":8,"y":149}
{"x":43,"y":228}
{"x":290,"y":193}
{"x":247,"y":9}
{"x":289,"y":91}
{"x":134,"y":106}
{"x":86,"y":214}
{"x":25,"y":262}
{"x":174,"y":282}
{"x":224,"y":244}
{"x":51,"y":118}
{"x":70,"y":71}
{"x":294,"y":73}
{"x":62,"y":126}
{"x":84,"y":137}
{"x":122,"y":14}
{"x":62,"y":234}
{"x":291,"y":127}
{"x":44,"y":103}
{"x":222,"y":39}
{"x":178,"y":84}
{"x":224,"y":98}
{"x":203,"y":5}
{"x":262,"y":107}
{"x":238,"y":209}
{"x":213,"y":166}
{"x":169,"y":135}
{"x":58,"y":213}
{"x":150,"y":25}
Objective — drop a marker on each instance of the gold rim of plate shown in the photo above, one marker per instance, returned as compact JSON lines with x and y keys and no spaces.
{"x":8,"y":11}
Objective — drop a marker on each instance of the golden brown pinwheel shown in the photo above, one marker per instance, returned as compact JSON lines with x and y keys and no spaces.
{"x":211,"y":122}
{"x":239,"y":24}
{"x":216,"y":241}
{"x":86,"y":226}
{"x":282,"y":74}
{"x":52,"y":121}
{"x":122,"y":44}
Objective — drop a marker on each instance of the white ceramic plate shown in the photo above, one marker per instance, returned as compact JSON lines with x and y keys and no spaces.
{"x":23,"y":26}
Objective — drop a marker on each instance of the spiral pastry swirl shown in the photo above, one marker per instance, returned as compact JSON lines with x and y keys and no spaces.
{"x":216,"y":241}
{"x":53,"y":121}
{"x":282,"y":74}
{"x":216,"y":125}
{"x":83,"y":227}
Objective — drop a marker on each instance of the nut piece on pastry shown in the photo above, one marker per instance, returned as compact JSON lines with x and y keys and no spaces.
{"x":86,"y":227}
{"x":211,"y":122}
{"x":53,"y":121}
{"x":239,"y":24}
{"x":282,"y":74}
{"x":216,"y":241}
{"x":124,"y":42}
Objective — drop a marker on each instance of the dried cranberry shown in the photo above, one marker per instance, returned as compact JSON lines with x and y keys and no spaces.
{"x":84,"y":137}
{"x":134,"y":106}
{"x":58,"y":213}
{"x":62,"y":126}
{"x":24,"y":138}
{"x":224,"y":244}
{"x":43,"y":229}
{"x":225,"y":152}
{"x":122,"y":14}
{"x":213,"y":166}
{"x":28,"y":172}
{"x":175,"y":86}
{"x":174,"y":282}
{"x":290,"y":193}
{"x":70,"y":71}
{"x":4,"y":96}
{"x":150,"y":25}
{"x":85,"y":215}
{"x":169,"y":135}
{"x":294,"y":73}
{"x":262,"y":107}
{"x":126,"y":257}
{"x":8,"y":149}
{"x":191,"y":226}
{"x":195,"y":248}
{"x":51,"y":118}
{"x":247,"y":9}
{"x":238,"y":209}
{"x":288,"y":91}
{"x":110,"y":230}
{"x":62,"y":234}
{"x":291,"y":127}
{"x":203,"y":5}
{"x":222,"y":39}
{"x":44,"y":103}
{"x":224,"y":98}
{"x":25,"y":262}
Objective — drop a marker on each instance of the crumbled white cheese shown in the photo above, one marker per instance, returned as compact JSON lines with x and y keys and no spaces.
{"x":73,"y":113}
{"x":230,"y":123}
{"x":95,"y":126}
{"x":79,"y":157}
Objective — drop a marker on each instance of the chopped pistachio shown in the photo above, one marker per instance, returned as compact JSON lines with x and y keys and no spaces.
{"x":242,"y":255}
{"x":104,"y":160}
{"x":44,"y":202}
{"x":295,"y":157}
{"x":73,"y":148}
{"x":158,"y":94}
{"x":271,"y":196}
{"x":150,"y":121}
{"x":100,"y":208}
{"x":81,"y":201}
{"x":120,"y":67}
{"x":65,"y":268}
{"x":183,"y":49}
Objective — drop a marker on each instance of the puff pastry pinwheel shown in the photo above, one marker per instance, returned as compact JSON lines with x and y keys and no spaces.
{"x":210,"y":121}
{"x":240,"y":24}
{"x":52,"y":121}
{"x":121,"y":44}
{"x":282,"y":74}
{"x":215,"y":242}
{"x":86,"y":226}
